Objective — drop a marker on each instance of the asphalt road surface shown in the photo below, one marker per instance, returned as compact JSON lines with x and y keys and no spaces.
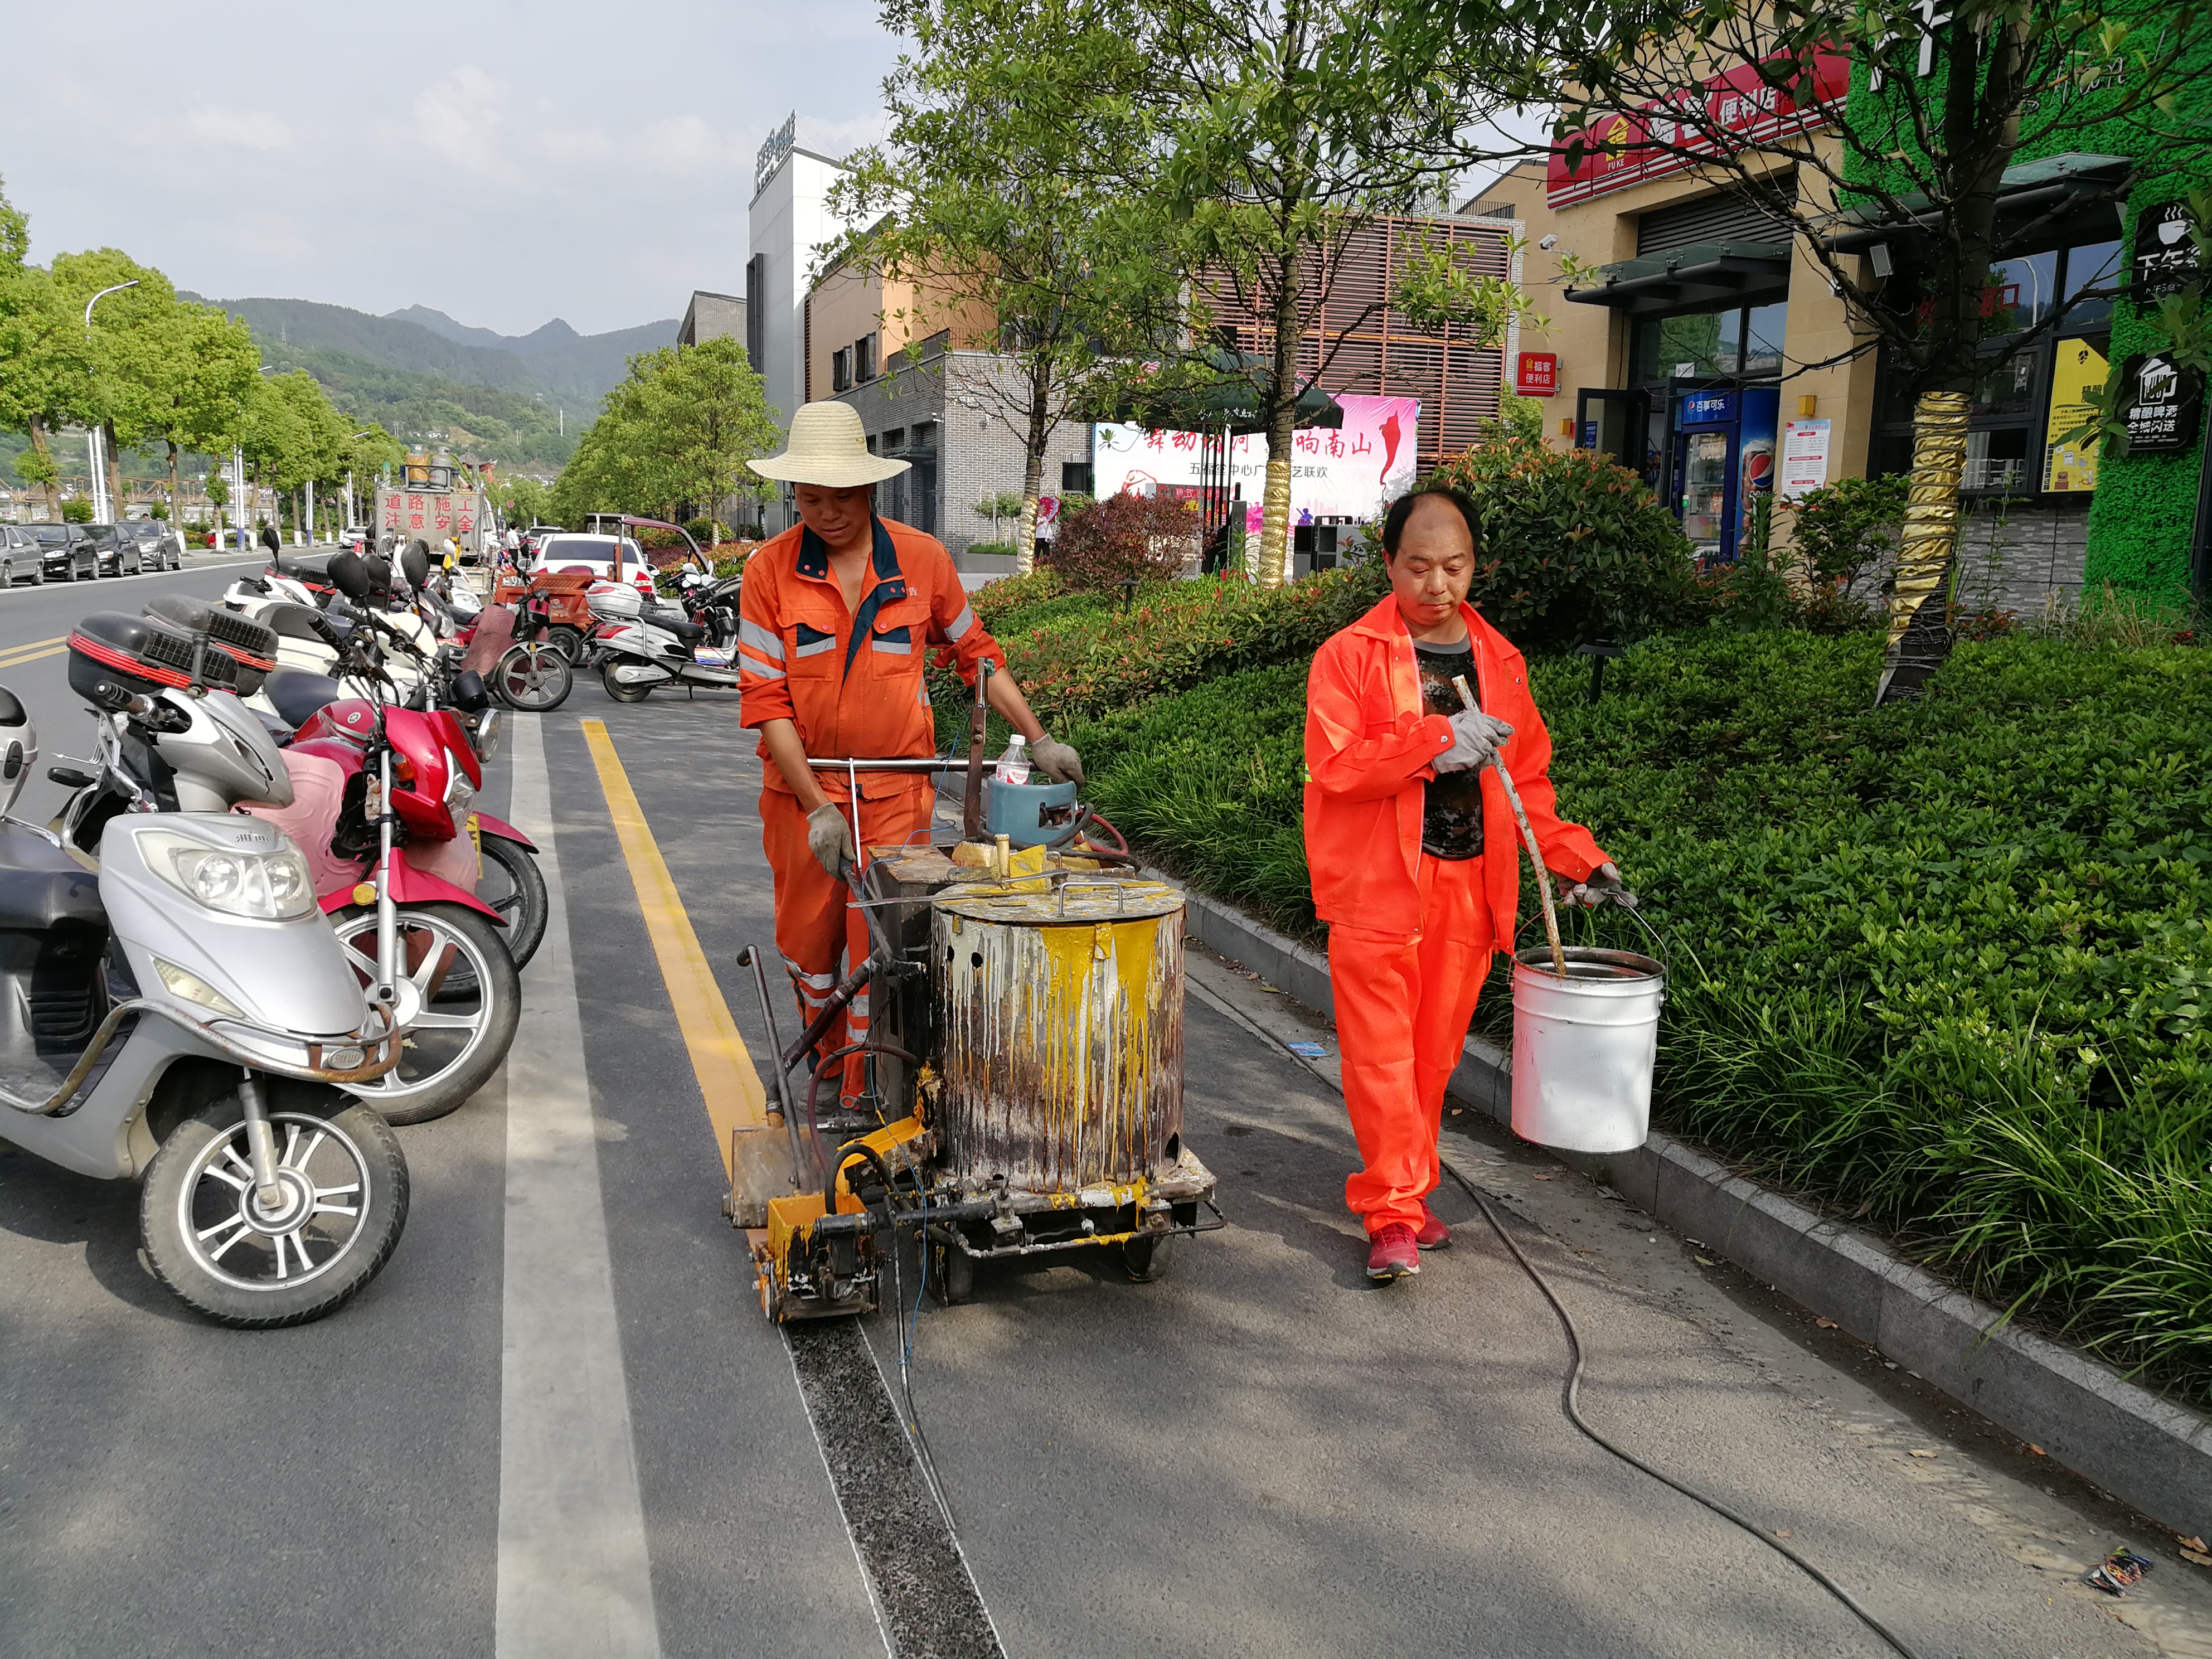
{"x":558,"y":1425}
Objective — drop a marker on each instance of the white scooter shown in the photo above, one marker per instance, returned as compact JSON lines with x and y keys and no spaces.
{"x":640,"y":646}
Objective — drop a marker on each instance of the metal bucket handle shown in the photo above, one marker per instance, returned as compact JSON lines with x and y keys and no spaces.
{"x":1658,"y":945}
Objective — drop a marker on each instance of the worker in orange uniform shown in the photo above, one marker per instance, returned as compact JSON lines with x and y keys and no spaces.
{"x":835,"y":620}
{"x":1413,"y":854}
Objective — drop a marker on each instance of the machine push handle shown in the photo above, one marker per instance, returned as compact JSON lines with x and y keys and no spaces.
{"x":1527,"y":837}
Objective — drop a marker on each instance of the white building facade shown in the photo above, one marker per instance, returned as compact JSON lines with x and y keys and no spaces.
{"x":789,"y":218}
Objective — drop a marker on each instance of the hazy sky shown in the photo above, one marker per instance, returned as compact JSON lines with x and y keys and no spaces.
{"x":503,"y":163}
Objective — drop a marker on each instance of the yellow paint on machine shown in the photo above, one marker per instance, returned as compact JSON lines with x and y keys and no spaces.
{"x":728,"y":1083}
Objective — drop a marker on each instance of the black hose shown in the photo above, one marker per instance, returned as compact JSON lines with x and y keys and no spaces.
{"x":1572,"y":1402}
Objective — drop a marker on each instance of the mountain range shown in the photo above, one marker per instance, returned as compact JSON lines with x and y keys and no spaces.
{"x":521,"y":399}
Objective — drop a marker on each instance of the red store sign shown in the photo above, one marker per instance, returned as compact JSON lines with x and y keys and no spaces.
{"x":1620,"y":150}
{"x":1537,"y":375}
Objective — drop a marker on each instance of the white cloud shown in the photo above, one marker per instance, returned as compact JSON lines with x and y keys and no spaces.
{"x":504,"y":164}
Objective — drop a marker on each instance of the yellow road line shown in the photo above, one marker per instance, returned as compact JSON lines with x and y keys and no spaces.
{"x":31,"y":656}
{"x":727,"y":1082}
{"x":30,"y":651}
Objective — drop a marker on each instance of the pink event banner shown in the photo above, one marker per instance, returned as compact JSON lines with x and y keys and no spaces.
{"x":1349,"y":472}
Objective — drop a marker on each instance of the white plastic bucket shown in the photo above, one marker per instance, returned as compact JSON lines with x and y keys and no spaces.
{"x":1584,"y":1048}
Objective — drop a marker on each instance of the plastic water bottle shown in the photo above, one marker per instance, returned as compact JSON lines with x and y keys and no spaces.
{"x":1014,"y":764}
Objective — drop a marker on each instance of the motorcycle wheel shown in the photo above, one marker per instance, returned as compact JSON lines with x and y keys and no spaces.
{"x":223,"y":1256}
{"x":567,"y":639}
{"x":533,"y":676}
{"x":472,"y":1003}
{"x":512,"y":884}
{"x":616,"y":690}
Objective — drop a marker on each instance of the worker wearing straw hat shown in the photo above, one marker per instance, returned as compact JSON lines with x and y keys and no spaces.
{"x":836,"y":618}
{"x":1409,"y":843}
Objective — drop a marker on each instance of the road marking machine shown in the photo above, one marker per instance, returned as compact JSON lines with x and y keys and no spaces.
{"x":1025,"y":1055}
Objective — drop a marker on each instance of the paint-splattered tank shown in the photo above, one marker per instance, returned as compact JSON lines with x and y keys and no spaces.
{"x":1061,"y":1017}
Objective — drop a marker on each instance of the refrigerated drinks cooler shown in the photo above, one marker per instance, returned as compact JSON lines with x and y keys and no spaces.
{"x":1723,"y":458}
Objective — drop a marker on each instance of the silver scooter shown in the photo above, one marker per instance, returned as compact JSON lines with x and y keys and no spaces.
{"x":188,"y":1020}
{"x":640,"y":645}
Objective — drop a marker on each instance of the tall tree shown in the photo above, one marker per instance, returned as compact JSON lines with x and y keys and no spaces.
{"x":1914,"y":165}
{"x":132,"y":344}
{"x":1287,"y":127}
{"x":679,"y":431}
{"x":48,"y":369}
{"x":1015,"y":128}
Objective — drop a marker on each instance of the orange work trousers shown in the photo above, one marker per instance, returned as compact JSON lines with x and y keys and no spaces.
{"x":1403,"y":1002}
{"x":818,"y":932}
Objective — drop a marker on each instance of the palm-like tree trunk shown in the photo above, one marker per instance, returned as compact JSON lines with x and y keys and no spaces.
{"x":1919,"y":630}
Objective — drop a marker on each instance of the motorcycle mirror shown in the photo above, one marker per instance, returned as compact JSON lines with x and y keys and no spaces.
{"x":379,"y":573}
{"x":349,"y":574}
{"x":415,"y":565}
{"x":468,"y":693}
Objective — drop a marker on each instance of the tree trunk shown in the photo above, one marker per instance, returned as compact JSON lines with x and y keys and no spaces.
{"x":45,"y":454}
{"x":1282,"y":422}
{"x":115,"y":499}
{"x":176,"y":489}
{"x":1919,"y":633}
{"x":1033,"y":443}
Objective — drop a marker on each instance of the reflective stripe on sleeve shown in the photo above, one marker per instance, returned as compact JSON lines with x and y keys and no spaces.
{"x":759,"y":670}
{"x":960,"y":624}
{"x":765,"y":642}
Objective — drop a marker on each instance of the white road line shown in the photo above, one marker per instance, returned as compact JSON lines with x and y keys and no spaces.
{"x":574,"y":1580}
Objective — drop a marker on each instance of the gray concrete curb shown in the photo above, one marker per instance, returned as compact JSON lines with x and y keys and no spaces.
{"x":2147,"y":1452}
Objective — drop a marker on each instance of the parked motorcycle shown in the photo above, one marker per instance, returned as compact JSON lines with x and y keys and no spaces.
{"x":640,"y":646}
{"x":378,"y":799}
{"x":186,"y":1018}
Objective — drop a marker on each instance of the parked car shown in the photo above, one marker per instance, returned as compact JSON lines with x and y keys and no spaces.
{"x":118,"y":551}
{"x":67,"y":551}
{"x":161,"y":546}
{"x":21,"y":558}
{"x":596,"y":554}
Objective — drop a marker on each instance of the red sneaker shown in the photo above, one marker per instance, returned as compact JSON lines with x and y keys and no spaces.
{"x":1393,"y":1253}
{"x":1434,"y":1235}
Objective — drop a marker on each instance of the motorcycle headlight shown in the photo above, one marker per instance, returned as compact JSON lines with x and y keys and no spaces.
{"x":259,"y":886}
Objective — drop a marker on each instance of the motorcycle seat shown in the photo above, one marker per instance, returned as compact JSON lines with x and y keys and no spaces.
{"x":297,"y":694}
{"x":676,"y":623}
{"x":292,"y":621}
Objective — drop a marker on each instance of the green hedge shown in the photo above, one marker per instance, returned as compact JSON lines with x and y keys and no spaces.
{"x":1941,"y":965}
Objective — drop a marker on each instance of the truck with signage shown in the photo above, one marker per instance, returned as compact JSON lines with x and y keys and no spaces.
{"x":435,"y":499}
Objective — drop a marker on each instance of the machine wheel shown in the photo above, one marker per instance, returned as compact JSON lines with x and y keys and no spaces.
{"x":213,"y":1244}
{"x":512,"y":885}
{"x":472,"y":1003}
{"x":567,"y":639}
{"x":616,"y":690}
{"x":533,"y":676}
{"x":950,"y":1273}
{"x":1148,"y":1259}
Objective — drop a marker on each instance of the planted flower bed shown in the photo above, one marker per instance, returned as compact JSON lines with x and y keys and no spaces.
{"x":1940,"y":965}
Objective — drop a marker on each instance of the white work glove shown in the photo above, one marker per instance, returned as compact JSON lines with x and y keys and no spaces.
{"x":1601,"y":887}
{"x":829,"y":837}
{"x":1058,"y":761}
{"x":1475,"y":737}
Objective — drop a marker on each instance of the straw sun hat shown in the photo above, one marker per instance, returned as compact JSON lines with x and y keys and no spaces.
{"x":828,"y":447}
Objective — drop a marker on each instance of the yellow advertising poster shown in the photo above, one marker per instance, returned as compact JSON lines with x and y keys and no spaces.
{"x":2077,"y":368}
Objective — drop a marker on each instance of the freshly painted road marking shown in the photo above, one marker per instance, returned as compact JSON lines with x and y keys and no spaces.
{"x":574,"y":1578}
{"x":728,"y":1083}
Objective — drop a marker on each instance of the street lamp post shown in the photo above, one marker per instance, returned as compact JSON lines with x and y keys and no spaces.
{"x":103,"y":509}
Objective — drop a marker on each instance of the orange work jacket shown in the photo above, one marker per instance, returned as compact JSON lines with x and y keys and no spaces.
{"x":852,"y":680}
{"x":1370,"y":750}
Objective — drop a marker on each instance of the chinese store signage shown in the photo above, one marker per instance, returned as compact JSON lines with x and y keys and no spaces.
{"x":1668,"y":135}
{"x":1537,"y":375}
{"x":2166,"y":253}
{"x":2160,"y":403}
{"x":1347,"y":473}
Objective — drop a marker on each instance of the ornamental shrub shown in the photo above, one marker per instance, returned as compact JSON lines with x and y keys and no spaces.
{"x":1124,"y":539}
{"x":77,"y":510}
{"x":1843,"y":530}
{"x":1574,"y":549}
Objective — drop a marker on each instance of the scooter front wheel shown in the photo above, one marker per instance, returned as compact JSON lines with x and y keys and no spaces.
{"x":225,"y":1254}
{"x":512,"y":885}
{"x":534,"y":676}
{"x":469,"y":1001}
{"x":616,"y":688}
